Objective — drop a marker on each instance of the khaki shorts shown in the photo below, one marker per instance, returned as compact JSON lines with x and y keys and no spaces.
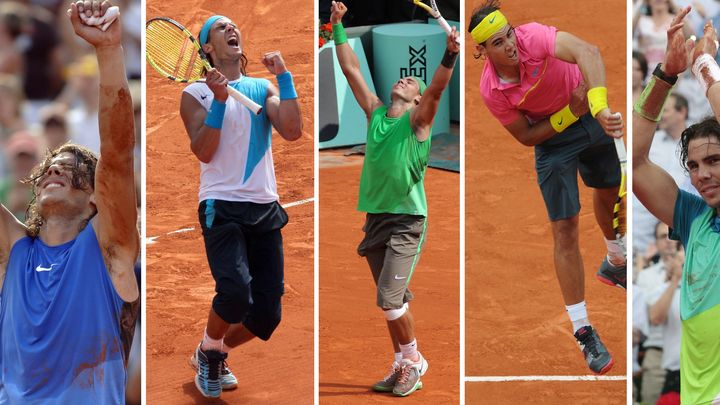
{"x":392,"y":246}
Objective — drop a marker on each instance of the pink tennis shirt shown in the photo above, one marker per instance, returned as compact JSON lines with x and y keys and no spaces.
{"x":546,"y":82}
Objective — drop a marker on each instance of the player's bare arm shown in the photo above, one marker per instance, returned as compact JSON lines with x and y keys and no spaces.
{"x":204,"y":140}
{"x":533,"y":134}
{"x":283,"y":112}
{"x":116,"y":221}
{"x":588,"y":58}
{"x":708,"y":45}
{"x":351,"y":67}
{"x":421,"y":117}
{"x":653,"y":186}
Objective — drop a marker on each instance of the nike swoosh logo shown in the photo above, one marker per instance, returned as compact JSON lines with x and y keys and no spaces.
{"x":492,"y":20}
{"x":535,"y":72}
{"x":41,"y":268}
{"x":203,"y":97}
{"x":561,"y":121}
{"x":399,"y":278}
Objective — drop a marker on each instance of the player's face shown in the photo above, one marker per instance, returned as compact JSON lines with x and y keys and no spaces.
{"x":55,"y":187}
{"x":501,"y":48}
{"x":703,"y":163}
{"x":225,"y":39}
{"x":407,"y":88}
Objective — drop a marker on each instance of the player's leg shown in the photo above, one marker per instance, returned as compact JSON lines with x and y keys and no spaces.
{"x":226,"y":250}
{"x":600,"y":169}
{"x":557,"y":167}
{"x":401,"y":257}
{"x":568,"y":261}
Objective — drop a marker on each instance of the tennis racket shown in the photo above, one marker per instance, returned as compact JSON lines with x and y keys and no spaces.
{"x":433,"y":10}
{"x":620,"y":208}
{"x":175,"y":53}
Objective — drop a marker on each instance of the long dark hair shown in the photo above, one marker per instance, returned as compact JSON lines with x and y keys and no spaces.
{"x":706,"y":128}
{"x":83,"y":178}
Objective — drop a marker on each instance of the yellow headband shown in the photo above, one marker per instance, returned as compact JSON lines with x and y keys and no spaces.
{"x":489,"y":25}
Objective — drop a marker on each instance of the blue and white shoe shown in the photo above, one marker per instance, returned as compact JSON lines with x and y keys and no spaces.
{"x":227,"y":379}
{"x":207,"y":378}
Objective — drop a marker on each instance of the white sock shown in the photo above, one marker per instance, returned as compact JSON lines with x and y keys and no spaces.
{"x":578,"y":315}
{"x":617,"y":253}
{"x":209,"y":343}
{"x":409,"y":351}
{"x":398,"y":357}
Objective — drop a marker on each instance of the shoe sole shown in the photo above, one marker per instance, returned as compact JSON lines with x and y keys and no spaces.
{"x":604,"y":369}
{"x":390,"y":389}
{"x":417,"y":386}
{"x":228,"y":387}
{"x":609,"y":282}
{"x":197,"y":385}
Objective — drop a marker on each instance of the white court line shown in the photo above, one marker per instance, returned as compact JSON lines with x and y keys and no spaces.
{"x":545,"y":378}
{"x":181,"y":231}
{"x":153,"y":239}
{"x":294,"y":203}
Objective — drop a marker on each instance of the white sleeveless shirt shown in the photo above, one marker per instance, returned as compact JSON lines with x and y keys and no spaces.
{"x":242,"y":167}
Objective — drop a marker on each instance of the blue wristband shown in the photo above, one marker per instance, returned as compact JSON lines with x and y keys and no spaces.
{"x":215,"y":115}
{"x":287,"y":88}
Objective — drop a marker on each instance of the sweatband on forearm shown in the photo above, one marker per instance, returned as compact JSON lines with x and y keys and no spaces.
{"x":215,"y":115}
{"x":339,"y":34}
{"x":449,"y":58}
{"x":706,"y":71}
{"x":597,"y":98}
{"x":562,"y":119}
{"x":652,"y":100}
{"x":287,"y":88}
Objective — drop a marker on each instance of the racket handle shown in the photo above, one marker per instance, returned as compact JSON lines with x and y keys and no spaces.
{"x":445,"y":26}
{"x":244,"y":100}
{"x":620,"y":149}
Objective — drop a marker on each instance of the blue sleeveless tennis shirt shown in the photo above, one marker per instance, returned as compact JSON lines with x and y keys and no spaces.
{"x":60,"y":326}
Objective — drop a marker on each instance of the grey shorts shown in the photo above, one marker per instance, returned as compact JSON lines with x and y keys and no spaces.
{"x":392,"y":246}
{"x":583,"y":147}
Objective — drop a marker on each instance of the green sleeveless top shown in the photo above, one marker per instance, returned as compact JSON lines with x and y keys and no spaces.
{"x":394,"y":167}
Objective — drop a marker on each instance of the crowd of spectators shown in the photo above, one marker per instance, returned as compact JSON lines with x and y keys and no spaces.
{"x":658,"y":260}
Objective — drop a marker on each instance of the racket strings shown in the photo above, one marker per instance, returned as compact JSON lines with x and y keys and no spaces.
{"x":173,"y":52}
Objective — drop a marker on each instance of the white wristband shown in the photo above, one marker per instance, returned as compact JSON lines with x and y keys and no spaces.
{"x":706,"y":71}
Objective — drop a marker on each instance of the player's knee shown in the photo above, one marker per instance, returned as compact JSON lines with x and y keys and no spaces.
{"x":265,"y":315}
{"x":232,"y":303}
{"x":394,"y":314}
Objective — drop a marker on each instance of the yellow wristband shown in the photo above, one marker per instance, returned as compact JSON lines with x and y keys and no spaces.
{"x":597,"y":98}
{"x":562,"y":119}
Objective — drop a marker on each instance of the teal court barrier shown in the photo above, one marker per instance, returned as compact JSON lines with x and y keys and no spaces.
{"x":341,"y":120}
{"x":407,"y":49}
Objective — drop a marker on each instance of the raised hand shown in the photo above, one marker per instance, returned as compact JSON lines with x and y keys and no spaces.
{"x":678,"y":49}
{"x":94,"y":35}
{"x":453,"y":43}
{"x":274,"y":63}
{"x":708,"y":43}
{"x":337,"y":10}
{"x":217,"y":83}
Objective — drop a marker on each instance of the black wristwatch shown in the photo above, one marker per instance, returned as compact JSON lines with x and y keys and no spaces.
{"x":662,"y":76}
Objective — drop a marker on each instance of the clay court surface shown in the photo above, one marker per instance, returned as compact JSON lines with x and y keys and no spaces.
{"x":515,"y":318}
{"x":355,"y":348}
{"x":179,"y":285}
